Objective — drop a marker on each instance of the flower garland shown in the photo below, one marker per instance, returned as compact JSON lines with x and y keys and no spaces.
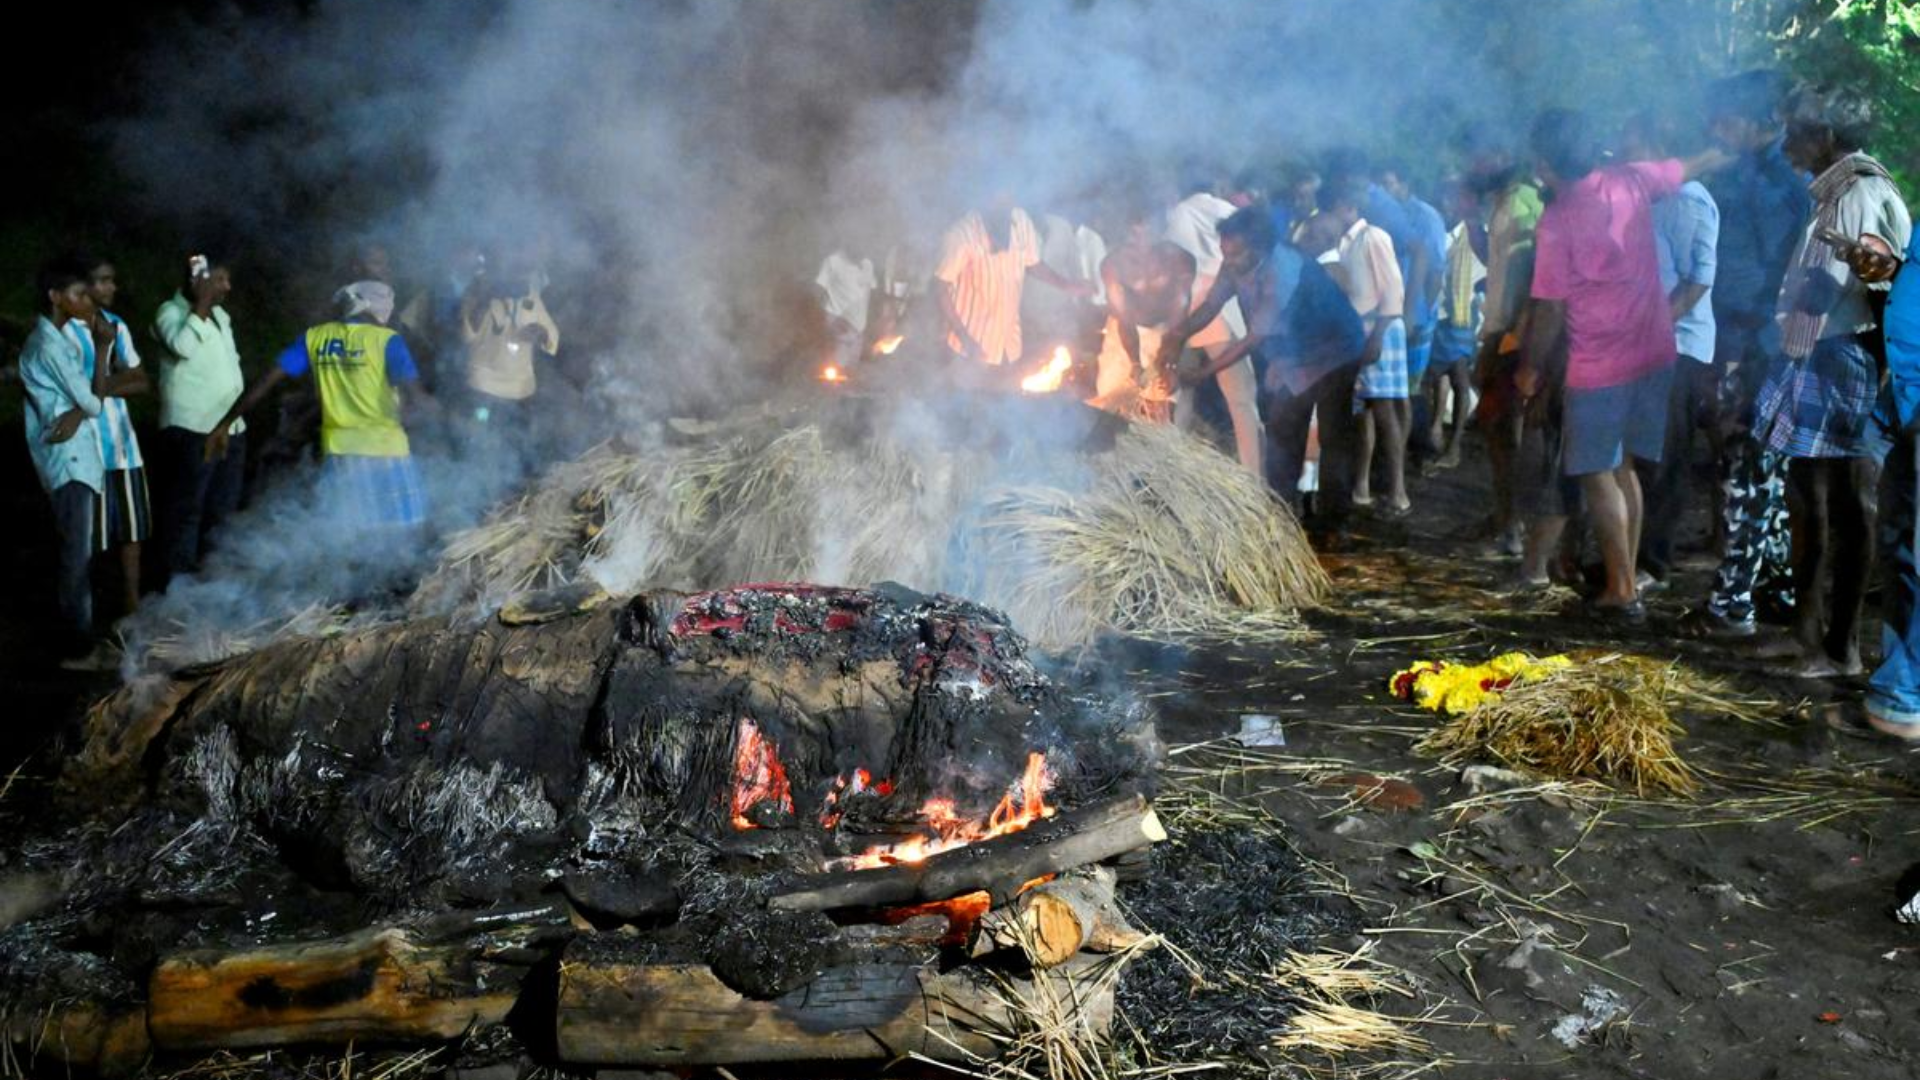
{"x":1454,"y":689}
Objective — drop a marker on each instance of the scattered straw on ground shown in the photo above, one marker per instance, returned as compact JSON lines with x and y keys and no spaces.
{"x":1608,"y":717}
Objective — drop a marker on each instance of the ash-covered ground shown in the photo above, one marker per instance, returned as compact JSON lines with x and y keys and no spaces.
{"x":1558,"y":932}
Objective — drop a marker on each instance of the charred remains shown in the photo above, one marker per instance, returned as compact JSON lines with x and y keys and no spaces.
{"x":800,"y":809}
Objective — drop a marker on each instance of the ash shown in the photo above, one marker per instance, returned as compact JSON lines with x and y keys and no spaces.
{"x":1237,"y":901}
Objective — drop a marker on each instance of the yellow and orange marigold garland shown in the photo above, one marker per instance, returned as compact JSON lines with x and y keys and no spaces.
{"x":1454,"y":689}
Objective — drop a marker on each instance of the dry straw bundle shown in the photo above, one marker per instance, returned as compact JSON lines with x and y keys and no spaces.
{"x":1608,"y":716}
{"x":1157,"y":534}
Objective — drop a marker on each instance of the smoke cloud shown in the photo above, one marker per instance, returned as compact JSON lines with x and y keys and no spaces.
{"x":683,"y":166}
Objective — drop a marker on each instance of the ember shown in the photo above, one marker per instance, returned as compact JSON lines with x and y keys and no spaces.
{"x":757,"y":776}
{"x":831,"y":373}
{"x":887,"y":346}
{"x":1049,"y":378}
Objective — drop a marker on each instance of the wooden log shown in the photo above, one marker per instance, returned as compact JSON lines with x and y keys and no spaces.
{"x":95,"y":1040}
{"x":999,"y":866}
{"x":425,"y":983}
{"x":613,"y":1014}
{"x":1054,"y":921}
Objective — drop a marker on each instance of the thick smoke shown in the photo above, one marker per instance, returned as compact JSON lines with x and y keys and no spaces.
{"x":685,"y":165}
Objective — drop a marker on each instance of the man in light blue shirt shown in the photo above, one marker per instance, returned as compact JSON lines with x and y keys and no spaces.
{"x":126,"y":516}
{"x":62,"y":401}
{"x":1686,"y":233}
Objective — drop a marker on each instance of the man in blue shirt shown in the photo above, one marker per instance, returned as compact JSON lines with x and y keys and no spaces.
{"x":1686,"y":231}
{"x":63,"y":398}
{"x":1305,"y":340}
{"x":1893,"y":693}
{"x":1421,"y":266}
{"x":1764,"y":205}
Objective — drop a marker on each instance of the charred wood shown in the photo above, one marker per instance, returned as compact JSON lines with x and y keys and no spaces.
{"x":999,"y":866}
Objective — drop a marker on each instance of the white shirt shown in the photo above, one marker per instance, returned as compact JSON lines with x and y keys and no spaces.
{"x":987,"y":283}
{"x":1193,"y":225}
{"x":847,"y":289}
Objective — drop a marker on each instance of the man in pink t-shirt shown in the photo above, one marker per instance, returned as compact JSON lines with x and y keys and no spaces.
{"x":1603,"y":329}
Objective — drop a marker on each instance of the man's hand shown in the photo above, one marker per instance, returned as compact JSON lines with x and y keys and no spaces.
{"x":203,"y":296}
{"x":65,"y":426}
{"x":216,"y":448}
{"x":1873,"y":260}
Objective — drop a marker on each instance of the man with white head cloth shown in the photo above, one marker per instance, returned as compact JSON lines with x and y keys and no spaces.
{"x":358,"y":365}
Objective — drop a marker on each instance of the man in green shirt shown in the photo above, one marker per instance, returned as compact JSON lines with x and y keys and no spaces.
{"x":199,"y":381}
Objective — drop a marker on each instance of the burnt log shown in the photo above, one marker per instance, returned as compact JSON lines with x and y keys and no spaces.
{"x":107,"y":1041}
{"x":430,"y":982}
{"x":613,"y":1014}
{"x":998,"y":867}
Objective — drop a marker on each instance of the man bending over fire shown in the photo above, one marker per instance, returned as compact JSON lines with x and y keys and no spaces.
{"x":1306,"y":340}
{"x":985,"y":258}
{"x":1149,"y":283}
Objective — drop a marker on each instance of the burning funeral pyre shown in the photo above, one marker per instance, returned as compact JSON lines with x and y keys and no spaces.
{"x":1072,"y":520}
{"x":764,"y":824}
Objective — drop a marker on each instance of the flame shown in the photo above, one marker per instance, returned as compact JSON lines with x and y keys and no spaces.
{"x":1049,"y":378}
{"x":1023,"y":804}
{"x":758,"y":775}
{"x":831,"y":373}
{"x":887,"y":345}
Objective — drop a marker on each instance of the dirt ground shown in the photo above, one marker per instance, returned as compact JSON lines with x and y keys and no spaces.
{"x":1567,"y":930}
{"x":1546,"y":930}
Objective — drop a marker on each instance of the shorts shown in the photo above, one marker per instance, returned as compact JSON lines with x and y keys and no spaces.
{"x":1386,"y":377}
{"x":122,"y":514}
{"x":1606,"y":425}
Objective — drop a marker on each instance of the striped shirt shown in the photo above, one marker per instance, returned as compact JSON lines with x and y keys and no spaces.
{"x":119,"y":448}
{"x":987,"y":283}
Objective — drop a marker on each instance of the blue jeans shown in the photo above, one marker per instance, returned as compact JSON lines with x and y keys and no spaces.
{"x":1893,"y":694}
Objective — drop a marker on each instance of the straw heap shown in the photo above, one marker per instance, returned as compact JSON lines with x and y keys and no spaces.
{"x":1158,"y":535}
{"x":1606,"y":716}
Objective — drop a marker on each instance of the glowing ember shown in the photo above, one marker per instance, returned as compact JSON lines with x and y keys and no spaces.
{"x":887,"y":345}
{"x":963,"y":913}
{"x":830,"y":373}
{"x":1049,"y":378}
{"x":758,"y":775}
{"x":859,"y":782}
{"x":1023,"y":804}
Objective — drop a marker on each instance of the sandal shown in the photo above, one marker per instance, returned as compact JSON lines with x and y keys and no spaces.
{"x":1634,"y":614}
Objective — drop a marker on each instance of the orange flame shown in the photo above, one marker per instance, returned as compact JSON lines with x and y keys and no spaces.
{"x":1049,"y":378}
{"x":758,"y":775}
{"x":830,"y":373}
{"x":1023,"y":804}
{"x":887,"y":345}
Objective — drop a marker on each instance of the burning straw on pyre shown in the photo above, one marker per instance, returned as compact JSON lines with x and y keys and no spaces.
{"x":762,"y":824}
{"x":1071,"y":520}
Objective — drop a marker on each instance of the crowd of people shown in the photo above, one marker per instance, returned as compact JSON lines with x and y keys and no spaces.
{"x":1595,"y":304}
{"x":476,"y":339}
